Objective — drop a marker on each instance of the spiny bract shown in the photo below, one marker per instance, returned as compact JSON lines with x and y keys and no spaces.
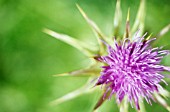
{"x":131,"y":67}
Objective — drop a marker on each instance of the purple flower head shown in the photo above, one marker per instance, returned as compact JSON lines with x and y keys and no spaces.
{"x":132,"y":69}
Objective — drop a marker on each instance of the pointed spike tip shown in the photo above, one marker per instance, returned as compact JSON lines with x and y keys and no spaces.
{"x":61,"y":75}
{"x":117,"y":19}
{"x":140,"y":18}
{"x":45,"y":30}
{"x":128,"y":15}
{"x":127,"y":30}
{"x":94,"y":27}
{"x":81,"y":11}
{"x":149,"y":36}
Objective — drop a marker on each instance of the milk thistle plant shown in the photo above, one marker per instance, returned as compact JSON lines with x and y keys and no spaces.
{"x":126,"y":67}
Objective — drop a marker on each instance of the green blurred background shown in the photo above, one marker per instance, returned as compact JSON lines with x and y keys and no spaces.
{"x":29,"y":58}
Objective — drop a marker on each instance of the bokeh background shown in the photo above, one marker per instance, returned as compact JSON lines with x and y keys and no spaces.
{"x":29,"y":57}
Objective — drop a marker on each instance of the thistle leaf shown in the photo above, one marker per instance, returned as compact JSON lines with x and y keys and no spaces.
{"x":84,"y":48}
{"x":117,"y":19}
{"x":94,"y":27}
{"x":140,"y":17}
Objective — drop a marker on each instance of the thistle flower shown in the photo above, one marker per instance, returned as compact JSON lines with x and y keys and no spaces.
{"x":131,"y":68}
